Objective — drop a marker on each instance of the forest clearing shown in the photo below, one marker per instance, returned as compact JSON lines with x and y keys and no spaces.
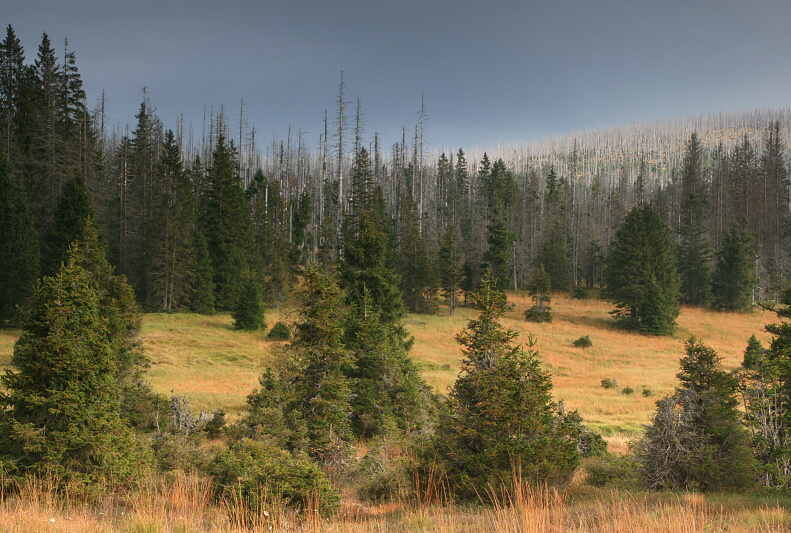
{"x":216,"y":366}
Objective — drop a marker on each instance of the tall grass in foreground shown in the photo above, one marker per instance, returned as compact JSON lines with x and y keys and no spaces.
{"x":184,"y":503}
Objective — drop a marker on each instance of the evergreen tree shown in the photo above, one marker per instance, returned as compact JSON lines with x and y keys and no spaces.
{"x":13,"y":74}
{"x":61,"y":404}
{"x":498,"y":256}
{"x":117,"y":304}
{"x":451,"y":272}
{"x":389,"y":391}
{"x":418,"y":282}
{"x":171,"y":257}
{"x":539,"y":289}
{"x":694,"y":251}
{"x":248,"y":314}
{"x":201,"y":280}
{"x":19,"y":264}
{"x":553,"y":255}
{"x":225,"y":221}
{"x":734,"y":278}
{"x":73,"y":209}
{"x":696,"y":439}
{"x":765,"y":387}
{"x":502,"y":414}
{"x":318,"y":366}
{"x":640,"y":274}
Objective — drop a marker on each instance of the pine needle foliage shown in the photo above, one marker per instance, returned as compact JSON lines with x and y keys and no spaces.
{"x":502,"y":413}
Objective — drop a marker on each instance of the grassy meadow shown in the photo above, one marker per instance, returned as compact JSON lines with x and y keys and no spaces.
{"x":216,"y":367}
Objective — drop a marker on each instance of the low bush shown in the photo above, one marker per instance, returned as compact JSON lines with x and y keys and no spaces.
{"x":627,"y":391}
{"x":279,"y":332}
{"x":608,"y":383}
{"x":580,"y":292}
{"x":612,"y":469}
{"x":583,"y":342}
{"x":253,"y":471}
{"x":534,"y":314}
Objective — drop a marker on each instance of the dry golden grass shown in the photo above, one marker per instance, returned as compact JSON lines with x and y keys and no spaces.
{"x":184,"y":503}
{"x":216,"y":367}
{"x":635,"y":361}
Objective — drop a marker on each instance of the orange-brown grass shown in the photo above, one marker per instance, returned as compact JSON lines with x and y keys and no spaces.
{"x":205,"y":359}
{"x":635,"y":361}
{"x":216,"y":366}
{"x":183,"y":503}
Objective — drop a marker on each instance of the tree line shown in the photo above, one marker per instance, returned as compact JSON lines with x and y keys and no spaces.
{"x":191,"y":223}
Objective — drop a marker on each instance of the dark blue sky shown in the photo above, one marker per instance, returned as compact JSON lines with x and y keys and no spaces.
{"x":490,"y":72}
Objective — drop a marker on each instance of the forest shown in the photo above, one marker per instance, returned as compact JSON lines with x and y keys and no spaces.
{"x":104,"y":222}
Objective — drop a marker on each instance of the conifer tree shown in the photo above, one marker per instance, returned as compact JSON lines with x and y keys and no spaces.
{"x":765,"y":388}
{"x":451,"y":272}
{"x":171,"y":257}
{"x":389,"y":391}
{"x":418,"y":280}
{"x":73,"y":209}
{"x":318,"y":366}
{"x":502,"y":414}
{"x":248,"y":313}
{"x":641,"y":276}
{"x":696,"y":439}
{"x":539,"y":289}
{"x":734,"y":277}
{"x":61,"y":404}
{"x":225,"y":221}
{"x":19,"y":263}
{"x":694,"y":251}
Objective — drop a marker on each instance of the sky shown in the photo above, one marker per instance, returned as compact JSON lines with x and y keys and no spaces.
{"x":488,"y":73}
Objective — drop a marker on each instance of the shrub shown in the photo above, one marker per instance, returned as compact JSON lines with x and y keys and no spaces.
{"x":534,"y":314}
{"x":583,"y":342}
{"x":608,"y":383}
{"x":647,"y":393}
{"x":279,"y":332}
{"x":612,"y":469}
{"x":253,"y":471}
{"x":580,"y":292}
{"x":627,"y":391}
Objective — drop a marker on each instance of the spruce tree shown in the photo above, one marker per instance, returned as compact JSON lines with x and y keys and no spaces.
{"x":248,"y":313}
{"x":317,"y":368}
{"x":640,"y":274}
{"x":61,"y":405}
{"x":450,"y":268}
{"x":502,"y":417}
{"x":765,"y":387}
{"x":225,"y":221}
{"x":694,"y":250}
{"x":71,"y":213}
{"x":539,"y":289}
{"x":172,"y":210}
{"x":418,"y":280}
{"x":19,"y":264}
{"x":734,"y":278}
{"x":696,"y":439}
{"x":389,"y":391}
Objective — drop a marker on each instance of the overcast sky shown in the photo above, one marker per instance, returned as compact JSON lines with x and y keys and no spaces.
{"x":489,"y":72}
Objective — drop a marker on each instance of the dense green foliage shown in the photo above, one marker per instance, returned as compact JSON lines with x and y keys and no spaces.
{"x":734,"y":278}
{"x":258,"y":473}
{"x":696,"y":439}
{"x":640,"y":276}
{"x":61,"y":405}
{"x":502,"y":416}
